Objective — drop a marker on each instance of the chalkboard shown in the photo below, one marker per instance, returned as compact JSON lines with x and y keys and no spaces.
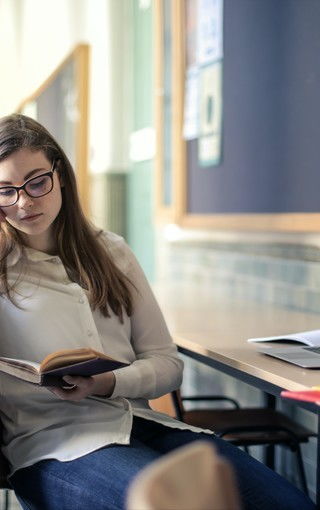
{"x":61,"y":104}
{"x":271,"y":118}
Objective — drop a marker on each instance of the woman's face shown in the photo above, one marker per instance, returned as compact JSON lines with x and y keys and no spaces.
{"x":32,"y":217}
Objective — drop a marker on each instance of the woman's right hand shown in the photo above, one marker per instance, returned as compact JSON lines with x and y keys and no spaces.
{"x":82,"y":387}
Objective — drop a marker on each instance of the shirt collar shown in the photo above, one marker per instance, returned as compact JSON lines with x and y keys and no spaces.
{"x":31,"y":255}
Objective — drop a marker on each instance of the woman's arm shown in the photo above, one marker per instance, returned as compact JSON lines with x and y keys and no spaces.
{"x":157,"y":369}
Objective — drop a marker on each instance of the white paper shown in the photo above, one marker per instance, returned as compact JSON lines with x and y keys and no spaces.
{"x":311,"y":338}
{"x":191,"y":105}
{"x":210,"y":30}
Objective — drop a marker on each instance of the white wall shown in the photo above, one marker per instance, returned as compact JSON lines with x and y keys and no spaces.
{"x":9,"y":83}
{"x":36,"y":35}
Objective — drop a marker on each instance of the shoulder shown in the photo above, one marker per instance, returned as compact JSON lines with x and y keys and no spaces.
{"x":112,"y":241}
{"x":117,"y":248}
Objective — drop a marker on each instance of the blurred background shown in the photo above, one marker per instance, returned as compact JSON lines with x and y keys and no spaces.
{"x":193,"y":127}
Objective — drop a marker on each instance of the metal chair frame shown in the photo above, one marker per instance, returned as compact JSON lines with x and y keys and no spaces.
{"x":273,"y":434}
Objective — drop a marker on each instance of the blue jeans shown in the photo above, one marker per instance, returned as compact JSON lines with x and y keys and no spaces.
{"x":99,"y":480}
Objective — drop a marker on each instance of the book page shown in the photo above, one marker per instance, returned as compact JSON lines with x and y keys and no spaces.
{"x":28,"y":366}
{"x":69,"y":356}
{"x":311,"y":338}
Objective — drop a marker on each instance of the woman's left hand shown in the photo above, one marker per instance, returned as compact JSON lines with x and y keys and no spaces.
{"x":100,"y":385}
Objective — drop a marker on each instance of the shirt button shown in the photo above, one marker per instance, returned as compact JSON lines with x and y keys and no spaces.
{"x":89,"y":332}
{"x":81,"y":300}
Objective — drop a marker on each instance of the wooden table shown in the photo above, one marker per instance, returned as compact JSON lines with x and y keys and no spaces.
{"x":213,"y":328}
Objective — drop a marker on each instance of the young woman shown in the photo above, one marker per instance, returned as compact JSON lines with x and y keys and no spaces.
{"x":65,"y":284}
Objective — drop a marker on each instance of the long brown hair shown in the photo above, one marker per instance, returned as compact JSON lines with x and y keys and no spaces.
{"x":79,"y":244}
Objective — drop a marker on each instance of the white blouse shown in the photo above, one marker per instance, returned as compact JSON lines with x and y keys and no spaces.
{"x":54,"y":313}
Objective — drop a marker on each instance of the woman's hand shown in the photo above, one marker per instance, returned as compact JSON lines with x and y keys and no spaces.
{"x":100,"y":385}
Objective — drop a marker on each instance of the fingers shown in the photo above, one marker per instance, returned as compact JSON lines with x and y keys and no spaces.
{"x":79,"y":381}
{"x":82,"y":387}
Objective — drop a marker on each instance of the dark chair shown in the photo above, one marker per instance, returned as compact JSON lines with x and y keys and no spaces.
{"x":247,"y":426}
{"x":4,"y":485}
{"x":4,"y":471}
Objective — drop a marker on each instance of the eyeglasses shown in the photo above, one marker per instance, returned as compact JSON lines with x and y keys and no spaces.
{"x":35,"y":187}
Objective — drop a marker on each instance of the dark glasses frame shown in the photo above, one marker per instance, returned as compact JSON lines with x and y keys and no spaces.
{"x":23,"y":187}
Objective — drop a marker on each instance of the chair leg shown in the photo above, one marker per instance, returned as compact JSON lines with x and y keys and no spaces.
{"x":6,"y":499}
{"x":269,"y":456}
{"x":301,"y":471}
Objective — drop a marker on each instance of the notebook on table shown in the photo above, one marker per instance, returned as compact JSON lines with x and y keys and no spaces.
{"x":302,"y":349}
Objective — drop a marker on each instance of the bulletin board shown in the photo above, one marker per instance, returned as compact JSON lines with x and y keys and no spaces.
{"x":268,"y":175}
{"x":61,"y":105}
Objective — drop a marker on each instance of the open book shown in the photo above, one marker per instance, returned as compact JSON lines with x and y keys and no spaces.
{"x":49,"y":372}
{"x":311,"y":338}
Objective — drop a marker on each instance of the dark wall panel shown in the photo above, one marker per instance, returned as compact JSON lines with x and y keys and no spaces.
{"x":271,"y":120}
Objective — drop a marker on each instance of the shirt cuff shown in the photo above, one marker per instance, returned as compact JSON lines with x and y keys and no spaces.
{"x":135,"y":381}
